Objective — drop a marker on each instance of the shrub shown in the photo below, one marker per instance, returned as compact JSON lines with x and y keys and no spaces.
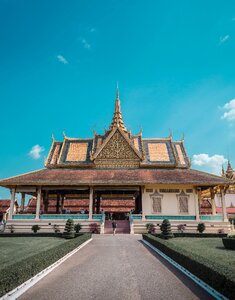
{"x":94,"y":228}
{"x":56,"y":228}
{"x":229,"y":242}
{"x":69,"y":232}
{"x":35,"y":228}
{"x":11,"y":228}
{"x":201,"y":227}
{"x":23,"y":270}
{"x":181,"y":227}
{"x":77,"y":227}
{"x":221,"y":281}
{"x":150,"y":227}
{"x":166,"y":230}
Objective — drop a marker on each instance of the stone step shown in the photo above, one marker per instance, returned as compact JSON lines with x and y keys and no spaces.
{"x":123,"y":226}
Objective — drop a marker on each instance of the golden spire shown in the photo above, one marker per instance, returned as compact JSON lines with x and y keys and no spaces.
{"x":117,"y":116}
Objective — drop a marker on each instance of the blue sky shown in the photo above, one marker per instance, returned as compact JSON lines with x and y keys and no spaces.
{"x":60,"y":61}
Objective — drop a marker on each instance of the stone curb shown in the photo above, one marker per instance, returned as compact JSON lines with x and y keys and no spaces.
{"x":18,"y":291}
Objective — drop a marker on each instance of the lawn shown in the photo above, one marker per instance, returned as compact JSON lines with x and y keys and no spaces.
{"x":211,"y":249}
{"x":14,"y":249}
{"x":23,"y":257}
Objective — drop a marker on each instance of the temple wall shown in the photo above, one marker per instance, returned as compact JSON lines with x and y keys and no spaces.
{"x":229,"y":199}
{"x":170,"y":203}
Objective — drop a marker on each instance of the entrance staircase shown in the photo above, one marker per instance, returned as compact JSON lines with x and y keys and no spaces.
{"x":123,"y":226}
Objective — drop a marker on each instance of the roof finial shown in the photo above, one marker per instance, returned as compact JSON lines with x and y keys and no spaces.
{"x":64,"y":134}
{"x":170,"y":136}
{"x":117,"y":117}
{"x":182,"y":139}
{"x":53,"y":137}
{"x":117,"y":91}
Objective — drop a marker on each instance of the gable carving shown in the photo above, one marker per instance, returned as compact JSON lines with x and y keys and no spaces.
{"x":117,"y":148}
{"x":117,"y":152}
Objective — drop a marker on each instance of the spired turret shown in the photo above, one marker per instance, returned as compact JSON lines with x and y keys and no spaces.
{"x":117,"y":120}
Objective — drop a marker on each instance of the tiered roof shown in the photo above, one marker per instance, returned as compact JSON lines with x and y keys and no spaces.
{"x":155,"y":152}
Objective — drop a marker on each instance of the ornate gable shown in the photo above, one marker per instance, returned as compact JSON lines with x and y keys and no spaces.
{"x":117,"y":152}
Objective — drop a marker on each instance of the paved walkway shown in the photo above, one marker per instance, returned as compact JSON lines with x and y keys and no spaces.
{"x":115,"y":267}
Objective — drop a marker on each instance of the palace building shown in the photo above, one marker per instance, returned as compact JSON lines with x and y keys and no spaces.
{"x":116,"y":175}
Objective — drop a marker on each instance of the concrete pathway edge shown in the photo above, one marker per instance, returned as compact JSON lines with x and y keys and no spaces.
{"x":194,"y":278}
{"x":18,"y":291}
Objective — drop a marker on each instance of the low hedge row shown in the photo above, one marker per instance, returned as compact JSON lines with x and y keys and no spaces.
{"x":229,"y":243}
{"x":195,"y":234}
{"x":196,"y":265}
{"x":21,"y":271}
{"x":32,"y":234}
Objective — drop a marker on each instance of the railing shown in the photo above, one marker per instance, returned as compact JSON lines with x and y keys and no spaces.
{"x":57,"y":217}
{"x":23,"y":217}
{"x":211,"y":218}
{"x":160,"y":217}
{"x":136,"y":217}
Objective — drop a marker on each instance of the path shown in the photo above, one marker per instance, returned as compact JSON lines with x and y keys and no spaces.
{"x":115,"y":267}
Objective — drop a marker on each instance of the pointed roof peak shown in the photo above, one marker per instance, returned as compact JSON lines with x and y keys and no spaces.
{"x":117,"y":92}
{"x":117,"y":120}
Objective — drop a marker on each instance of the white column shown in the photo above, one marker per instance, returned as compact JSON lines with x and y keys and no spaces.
{"x":197,"y":194}
{"x":13,"y":196}
{"x":22,"y":202}
{"x":213,"y":201}
{"x":39,"y":193}
{"x":143,"y":203}
{"x":223,"y":204}
{"x":91,"y":203}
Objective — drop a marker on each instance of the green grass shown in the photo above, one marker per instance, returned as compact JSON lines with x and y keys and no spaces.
{"x":210,"y":249}
{"x":15,"y":249}
{"x":23,"y":257}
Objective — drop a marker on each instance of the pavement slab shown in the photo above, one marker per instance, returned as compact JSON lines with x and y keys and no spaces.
{"x":115,"y":267}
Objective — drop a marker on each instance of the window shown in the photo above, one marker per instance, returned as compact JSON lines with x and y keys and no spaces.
{"x":183,"y":202}
{"x":156,"y":202}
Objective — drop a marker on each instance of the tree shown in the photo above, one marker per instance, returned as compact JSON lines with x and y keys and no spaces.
{"x":166,"y":230}
{"x":69,"y":232}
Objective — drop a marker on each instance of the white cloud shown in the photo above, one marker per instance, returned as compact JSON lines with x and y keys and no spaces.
{"x":36,"y":151}
{"x":229,"y":114}
{"x":223,"y":39}
{"x":62,"y":59}
{"x":208,"y":163}
{"x":86,"y":45}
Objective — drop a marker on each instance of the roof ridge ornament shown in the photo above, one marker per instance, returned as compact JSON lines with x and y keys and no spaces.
{"x":117,"y":121}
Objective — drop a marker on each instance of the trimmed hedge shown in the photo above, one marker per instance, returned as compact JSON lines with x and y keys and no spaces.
{"x":203,"y":269}
{"x":229,"y":243}
{"x":19,"y":272}
{"x":197,"y":235}
{"x":38,"y":234}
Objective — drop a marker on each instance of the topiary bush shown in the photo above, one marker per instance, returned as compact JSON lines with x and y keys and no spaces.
{"x":35,"y":228}
{"x":56,"y":228}
{"x":150,"y":227}
{"x":166,"y":230}
{"x":201,"y":227}
{"x":77,"y":227}
{"x":69,"y":232}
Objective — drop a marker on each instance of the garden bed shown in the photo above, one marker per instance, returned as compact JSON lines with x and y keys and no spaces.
{"x":206,"y":258}
{"x":23,"y":257}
